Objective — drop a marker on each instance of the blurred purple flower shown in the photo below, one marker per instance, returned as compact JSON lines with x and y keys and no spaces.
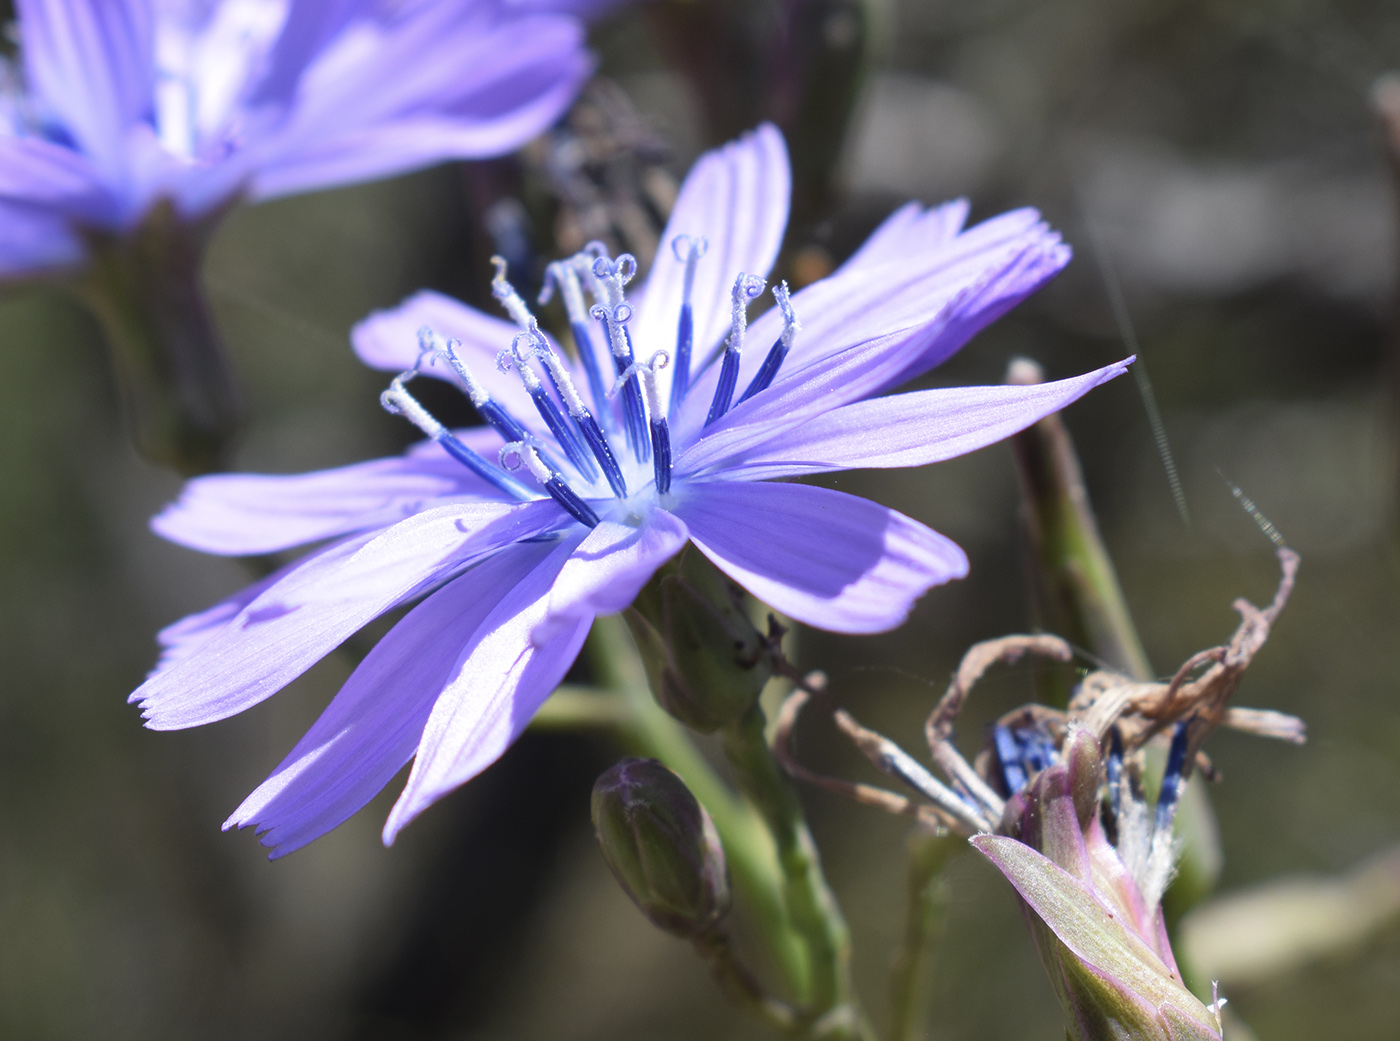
{"x":509,"y":578}
{"x":118,"y":104}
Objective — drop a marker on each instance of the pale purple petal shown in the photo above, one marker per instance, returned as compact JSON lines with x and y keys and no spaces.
{"x":909,"y":231}
{"x":310,"y":25}
{"x":372,"y":727}
{"x":832,"y":560}
{"x":91,"y":63}
{"x":50,"y":178}
{"x":244,"y":514}
{"x":444,"y":81}
{"x":925,"y":426}
{"x":926,"y":332}
{"x":522,"y":651}
{"x":736,"y":198}
{"x":179,"y":639}
{"x":943,"y":295}
{"x":295,"y":623}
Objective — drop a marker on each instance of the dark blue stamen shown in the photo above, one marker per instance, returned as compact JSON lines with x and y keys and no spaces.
{"x":632,"y":402}
{"x":1172,"y":779}
{"x":724,"y":389}
{"x":661,"y":454}
{"x":602,"y":451}
{"x":688,"y":250}
{"x":568,"y":498}
{"x":634,"y":415}
{"x":768,"y":371}
{"x":597,"y":388}
{"x":746,"y":287}
{"x":1009,"y":752}
{"x":479,"y":466}
{"x":685,"y":336}
{"x":562,"y":429}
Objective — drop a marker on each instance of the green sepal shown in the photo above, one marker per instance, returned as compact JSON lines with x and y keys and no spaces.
{"x":705,"y":660}
{"x":1110,"y":981}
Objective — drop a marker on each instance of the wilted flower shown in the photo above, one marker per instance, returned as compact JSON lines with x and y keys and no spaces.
{"x":593,"y":473}
{"x":1103,"y":942}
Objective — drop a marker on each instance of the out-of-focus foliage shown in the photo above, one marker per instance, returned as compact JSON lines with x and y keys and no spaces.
{"x":1226,"y":154}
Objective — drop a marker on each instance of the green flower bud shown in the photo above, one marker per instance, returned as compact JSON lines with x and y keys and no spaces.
{"x":662,"y":847}
{"x":705,"y":660}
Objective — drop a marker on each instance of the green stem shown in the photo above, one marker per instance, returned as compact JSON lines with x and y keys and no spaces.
{"x":748,"y":848}
{"x":180,"y":395}
{"x":1078,"y":595}
{"x":928,"y":853}
{"x":810,"y":903}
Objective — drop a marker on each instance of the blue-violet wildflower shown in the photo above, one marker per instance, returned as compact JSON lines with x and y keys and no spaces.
{"x":590,"y":474}
{"x":116,"y":105}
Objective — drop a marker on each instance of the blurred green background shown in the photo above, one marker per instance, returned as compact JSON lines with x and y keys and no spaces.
{"x":1228,"y":156}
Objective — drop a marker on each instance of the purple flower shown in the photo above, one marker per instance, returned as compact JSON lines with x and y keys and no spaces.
{"x":118,"y":104}
{"x":591,"y":474}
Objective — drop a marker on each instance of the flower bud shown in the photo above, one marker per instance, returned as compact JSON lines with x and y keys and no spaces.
{"x":662,"y":847}
{"x":705,"y":660}
{"x":1104,"y":948}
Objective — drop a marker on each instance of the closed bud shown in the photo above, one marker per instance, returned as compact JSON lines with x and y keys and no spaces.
{"x":662,"y":847}
{"x":705,"y":660}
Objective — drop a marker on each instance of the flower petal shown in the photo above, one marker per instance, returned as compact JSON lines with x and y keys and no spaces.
{"x":909,"y":230}
{"x":180,"y":639}
{"x":523,"y":650}
{"x":442,"y":81}
{"x":736,"y":198}
{"x":925,"y":426}
{"x":373,"y":725}
{"x":826,"y":558}
{"x":242,"y":514}
{"x":92,"y":63}
{"x":292,"y":625}
{"x":937,"y":297}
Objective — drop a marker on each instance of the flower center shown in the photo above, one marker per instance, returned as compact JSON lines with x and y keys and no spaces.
{"x":586,"y":464}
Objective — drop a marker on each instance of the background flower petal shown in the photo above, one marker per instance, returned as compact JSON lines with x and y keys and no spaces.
{"x":829,"y":559}
{"x":92,"y":64}
{"x":442,"y":81}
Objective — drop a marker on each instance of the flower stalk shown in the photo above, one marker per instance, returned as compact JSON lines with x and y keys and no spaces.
{"x":178,"y":389}
{"x":929,"y":853}
{"x":806,"y":895}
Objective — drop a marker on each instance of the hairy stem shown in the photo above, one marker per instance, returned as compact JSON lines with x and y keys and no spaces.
{"x":812,"y":908}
